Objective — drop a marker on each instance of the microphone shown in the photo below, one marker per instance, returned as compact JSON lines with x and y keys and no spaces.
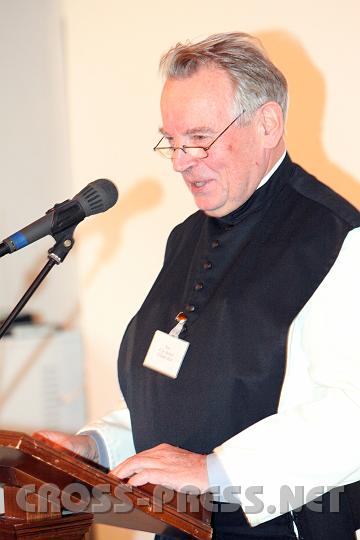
{"x":98,"y":196}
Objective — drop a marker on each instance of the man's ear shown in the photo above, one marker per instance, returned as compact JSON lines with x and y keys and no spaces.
{"x":271,"y":123}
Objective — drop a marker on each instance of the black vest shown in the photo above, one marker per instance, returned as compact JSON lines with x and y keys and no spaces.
{"x":241,"y":280}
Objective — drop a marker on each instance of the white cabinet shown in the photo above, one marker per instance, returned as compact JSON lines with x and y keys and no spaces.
{"x":41,"y":380}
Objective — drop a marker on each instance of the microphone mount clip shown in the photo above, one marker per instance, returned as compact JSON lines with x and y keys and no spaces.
{"x":56,"y":255}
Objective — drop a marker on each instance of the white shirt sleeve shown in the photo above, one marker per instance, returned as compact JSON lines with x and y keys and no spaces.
{"x":113,"y":432}
{"x":314,"y":439}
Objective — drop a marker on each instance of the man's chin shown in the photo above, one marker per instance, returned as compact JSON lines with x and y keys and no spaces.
{"x":213,"y":212}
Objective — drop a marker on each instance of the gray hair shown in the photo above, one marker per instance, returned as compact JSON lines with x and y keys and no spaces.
{"x":256,"y":79}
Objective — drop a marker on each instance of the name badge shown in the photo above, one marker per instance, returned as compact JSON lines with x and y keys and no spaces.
{"x":167,"y":352}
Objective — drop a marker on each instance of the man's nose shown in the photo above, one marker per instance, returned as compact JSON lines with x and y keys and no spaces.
{"x":182,"y":160}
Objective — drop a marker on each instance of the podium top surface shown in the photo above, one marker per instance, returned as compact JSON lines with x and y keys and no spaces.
{"x":26,"y":460}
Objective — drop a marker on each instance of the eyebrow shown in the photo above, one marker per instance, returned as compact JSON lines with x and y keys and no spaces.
{"x":192,"y":131}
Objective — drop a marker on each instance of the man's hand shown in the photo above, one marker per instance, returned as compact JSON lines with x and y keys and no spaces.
{"x":167,"y":465}
{"x":83,"y":445}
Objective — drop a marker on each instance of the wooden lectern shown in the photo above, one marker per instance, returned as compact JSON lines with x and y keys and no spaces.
{"x":51,"y":493}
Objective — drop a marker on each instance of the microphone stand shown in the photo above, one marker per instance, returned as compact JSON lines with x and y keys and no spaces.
{"x":56,"y":255}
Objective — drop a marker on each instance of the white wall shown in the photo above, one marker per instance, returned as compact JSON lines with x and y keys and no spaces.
{"x":110,"y":50}
{"x":34,"y":150}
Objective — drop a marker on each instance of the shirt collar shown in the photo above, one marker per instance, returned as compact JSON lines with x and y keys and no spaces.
{"x":271,"y":172}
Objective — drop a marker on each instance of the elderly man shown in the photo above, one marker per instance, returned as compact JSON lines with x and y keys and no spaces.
{"x":258,"y":398}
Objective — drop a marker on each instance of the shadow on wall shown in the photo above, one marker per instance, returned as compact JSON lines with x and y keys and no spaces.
{"x":143,"y":196}
{"x":307,"y":102}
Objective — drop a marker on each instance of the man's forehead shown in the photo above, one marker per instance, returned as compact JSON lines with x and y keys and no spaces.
{"x":197,"y":103}
{"x":206,"y":84}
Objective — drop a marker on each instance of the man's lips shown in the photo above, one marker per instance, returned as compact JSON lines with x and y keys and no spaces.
{"x":198,"y":185}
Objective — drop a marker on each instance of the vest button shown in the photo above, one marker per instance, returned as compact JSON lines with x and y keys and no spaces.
{"x":198,"y":286}
{"x":207,"y":265}
{"x":190,"y":307}
{"x":215,"y":244}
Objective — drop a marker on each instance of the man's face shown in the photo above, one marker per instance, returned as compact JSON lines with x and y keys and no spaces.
{"x":194,"y":111}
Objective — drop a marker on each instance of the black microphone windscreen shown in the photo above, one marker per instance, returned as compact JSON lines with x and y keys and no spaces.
{"x":98,"y":196}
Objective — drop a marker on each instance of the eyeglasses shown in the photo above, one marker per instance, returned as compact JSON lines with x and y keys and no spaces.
{"x":198,"y":152}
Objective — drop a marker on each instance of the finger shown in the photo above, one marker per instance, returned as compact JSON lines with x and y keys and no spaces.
{"x":127,"y":470}
{"x":149,"y":476}
{"x":136,"y":464}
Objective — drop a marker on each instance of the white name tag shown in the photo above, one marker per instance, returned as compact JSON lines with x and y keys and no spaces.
{"x":166,"y":354}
